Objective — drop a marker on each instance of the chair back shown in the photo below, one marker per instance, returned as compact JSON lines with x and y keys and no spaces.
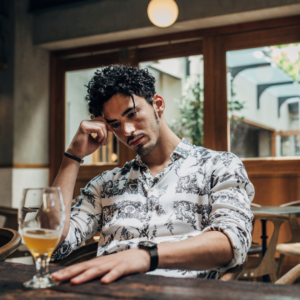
{"x":234,"y":273}
{"x":11,"y":217}
{"x":293,"y":223}
{"x":10,"y":240}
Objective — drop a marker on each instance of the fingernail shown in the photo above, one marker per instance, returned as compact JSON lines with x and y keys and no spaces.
{"x":57,"y":273}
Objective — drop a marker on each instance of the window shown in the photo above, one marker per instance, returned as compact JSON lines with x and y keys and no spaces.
{"x":77,"y":110}
{"x":180,"y":82}
{"x":263,"y":101}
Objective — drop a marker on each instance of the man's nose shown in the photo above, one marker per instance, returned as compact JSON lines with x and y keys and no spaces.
{"x":128,"y":128}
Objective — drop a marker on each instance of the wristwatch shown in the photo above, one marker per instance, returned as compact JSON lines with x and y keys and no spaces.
{"x":152,"y":248}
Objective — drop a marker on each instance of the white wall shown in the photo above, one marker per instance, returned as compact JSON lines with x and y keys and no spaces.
{"x":27,"y":178}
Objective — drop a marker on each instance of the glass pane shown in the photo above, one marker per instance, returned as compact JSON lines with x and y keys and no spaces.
{"x":180,"y":83}
{"x":263,"y":95}
{"x":77,"y":110}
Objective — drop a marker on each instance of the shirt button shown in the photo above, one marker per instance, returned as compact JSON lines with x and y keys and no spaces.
{"x":150,"y":214}
{"x":152,"y":190}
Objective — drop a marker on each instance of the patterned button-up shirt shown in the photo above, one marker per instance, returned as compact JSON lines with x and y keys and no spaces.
{"x":200,"y":190}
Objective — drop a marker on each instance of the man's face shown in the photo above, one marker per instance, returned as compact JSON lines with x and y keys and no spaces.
{"x":137,"y":126}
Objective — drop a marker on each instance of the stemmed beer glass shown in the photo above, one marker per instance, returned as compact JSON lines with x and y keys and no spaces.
{"x":41,"y":219}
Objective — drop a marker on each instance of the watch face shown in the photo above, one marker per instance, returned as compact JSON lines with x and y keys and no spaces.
{"x":147,"y":244}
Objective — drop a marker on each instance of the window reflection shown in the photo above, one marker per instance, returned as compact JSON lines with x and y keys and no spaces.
{"x":263,"y":95}
{"x":180,"y":82}
{"x":77,"y":110}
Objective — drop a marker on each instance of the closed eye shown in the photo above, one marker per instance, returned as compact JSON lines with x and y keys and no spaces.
{"x":132,"y":114}
{"x":115,"y":125}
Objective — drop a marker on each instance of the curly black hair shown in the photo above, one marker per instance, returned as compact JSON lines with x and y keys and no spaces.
{"x":118,"y":79}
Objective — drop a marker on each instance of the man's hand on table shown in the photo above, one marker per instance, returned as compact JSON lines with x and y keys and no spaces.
{"x":111,"y":267}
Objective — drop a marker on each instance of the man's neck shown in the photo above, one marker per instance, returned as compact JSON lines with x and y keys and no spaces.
{"x":160,"y":155}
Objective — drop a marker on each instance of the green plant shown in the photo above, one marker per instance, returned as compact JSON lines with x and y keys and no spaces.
{"x":287,"y":57}
{"x":190,"y":123}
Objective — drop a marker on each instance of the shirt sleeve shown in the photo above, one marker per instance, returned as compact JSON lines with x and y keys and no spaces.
{"x":85,"y":221}
{"x":230,"y":198}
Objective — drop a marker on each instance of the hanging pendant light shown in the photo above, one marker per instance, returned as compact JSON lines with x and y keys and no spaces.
{"x":162,"y":13}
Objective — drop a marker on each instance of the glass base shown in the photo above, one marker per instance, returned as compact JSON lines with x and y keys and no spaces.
{"x":38,"y":282}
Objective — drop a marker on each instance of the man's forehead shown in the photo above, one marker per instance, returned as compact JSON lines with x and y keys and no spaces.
{"x":118,"y":106}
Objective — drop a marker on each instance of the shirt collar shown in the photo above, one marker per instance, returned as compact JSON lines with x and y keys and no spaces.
{"x":181,"y":151}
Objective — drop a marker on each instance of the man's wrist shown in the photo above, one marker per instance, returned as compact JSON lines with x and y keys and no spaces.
{"x":73,"y":157}
{"x":147,"y":257}
{"x":72,"y":152}
{"x":151,"y":248}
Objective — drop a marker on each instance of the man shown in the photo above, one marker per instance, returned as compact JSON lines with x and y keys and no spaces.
{"x":191,"y":204}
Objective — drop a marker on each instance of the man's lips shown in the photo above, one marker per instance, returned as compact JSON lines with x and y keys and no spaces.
{"x":136,"y":141}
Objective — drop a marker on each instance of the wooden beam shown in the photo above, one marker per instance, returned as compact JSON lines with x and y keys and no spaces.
{"x":215,"y":95}
{"x":170,"y":51}
{"x":288,"y":132}
{"x":254,"y":123}
{"x":205,"y":32}
{"x":93,"y":61}
{"x":57,"y":116}
{"x":263,"y":37}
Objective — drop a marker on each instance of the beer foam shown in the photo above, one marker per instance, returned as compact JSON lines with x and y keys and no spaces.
{"x":40,"y":233}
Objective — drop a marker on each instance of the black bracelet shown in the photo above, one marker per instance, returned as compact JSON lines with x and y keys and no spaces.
{"x":74,"y":157}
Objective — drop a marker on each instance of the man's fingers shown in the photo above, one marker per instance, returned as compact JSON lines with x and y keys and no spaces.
{"x":103,"y":138}
{"x":91,"y":127}
{"x":70,"y":271}
{"x":113,"y":275}
{"x":89,"y":275}
{"x":101,"y":119}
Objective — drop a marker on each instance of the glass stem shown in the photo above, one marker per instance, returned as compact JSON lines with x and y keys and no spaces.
{"x":42,"y":265}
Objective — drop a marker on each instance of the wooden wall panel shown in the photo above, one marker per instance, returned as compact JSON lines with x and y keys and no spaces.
{"x":276,"y":190}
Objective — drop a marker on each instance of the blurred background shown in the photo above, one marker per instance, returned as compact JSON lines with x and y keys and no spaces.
{"x":227,"y":69}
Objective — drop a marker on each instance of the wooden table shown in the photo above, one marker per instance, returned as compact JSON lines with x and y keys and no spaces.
{"x":277,"y":215}
{"x":140,"y":286}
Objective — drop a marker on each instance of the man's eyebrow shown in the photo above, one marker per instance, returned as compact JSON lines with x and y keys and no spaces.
{"x":123,"y":114}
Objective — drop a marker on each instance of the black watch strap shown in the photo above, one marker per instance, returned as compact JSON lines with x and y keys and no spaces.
{"x":153,"y":259}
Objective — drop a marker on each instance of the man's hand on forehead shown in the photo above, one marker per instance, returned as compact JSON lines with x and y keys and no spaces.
{"x":90,"y":135}
{"x":100,"y":119}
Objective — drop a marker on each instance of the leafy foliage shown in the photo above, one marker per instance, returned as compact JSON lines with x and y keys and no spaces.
{"x":287,"y":57}
{"x":190,"y":123}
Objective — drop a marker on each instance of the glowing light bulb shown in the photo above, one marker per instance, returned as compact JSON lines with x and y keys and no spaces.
{"x":162,"y":13}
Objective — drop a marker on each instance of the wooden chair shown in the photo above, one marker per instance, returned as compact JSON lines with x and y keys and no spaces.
{"x":89,"y":251}
{"x":255,"y":247}
{"x":267,"y":265}
{"x":233,"y":273}
{"x":11,"y":217}
{"x":293,"y":246}
{"x":290,"y":277}
{"x":10,"y":240}
{"x":11,"y":222}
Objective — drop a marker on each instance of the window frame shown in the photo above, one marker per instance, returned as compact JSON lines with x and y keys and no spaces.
{"x":213,"y":43}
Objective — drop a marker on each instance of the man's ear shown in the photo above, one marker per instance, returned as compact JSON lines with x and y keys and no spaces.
{"x":159,"y":104}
